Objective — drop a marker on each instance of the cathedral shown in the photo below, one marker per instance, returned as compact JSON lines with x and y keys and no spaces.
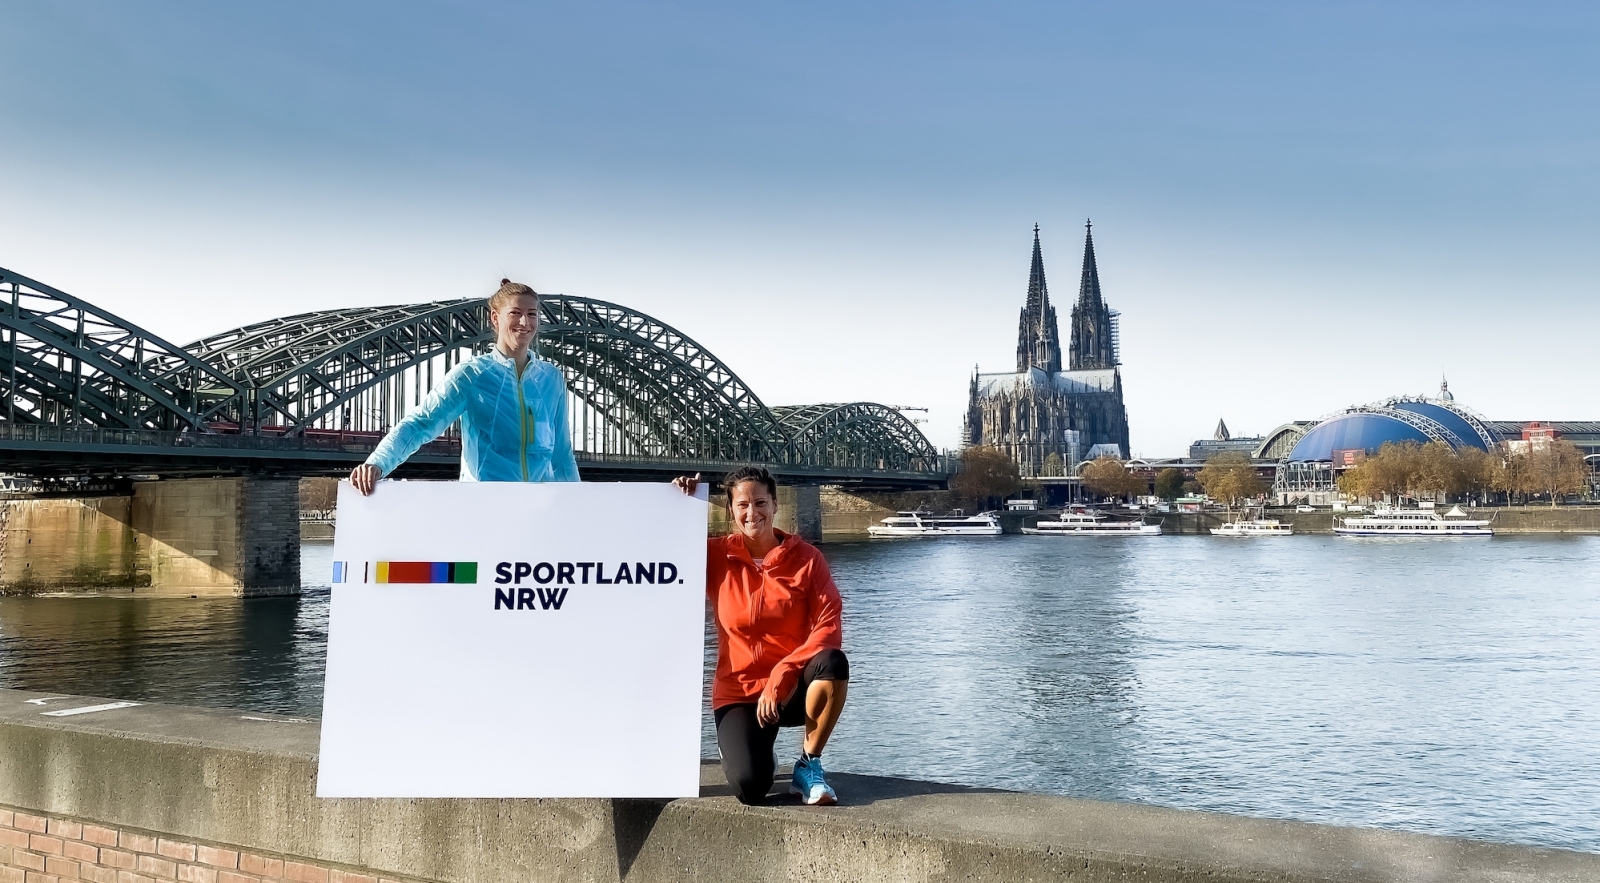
{"x":1041,"y":410}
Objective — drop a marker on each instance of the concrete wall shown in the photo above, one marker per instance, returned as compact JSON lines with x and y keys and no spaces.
{"x":1543,"y":519}
{"x":51,"y":544}
{"x":237,"y":536}
{"x":164,"y":793}
{"x":226,"y":536}
{"x":1197,"y":522}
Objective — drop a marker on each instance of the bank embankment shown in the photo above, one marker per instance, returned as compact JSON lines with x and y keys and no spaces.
{"x":163,"y":792}
{"x":1542,"y":519}
{"x":845,"y":517}
{"x":1509,"y":520}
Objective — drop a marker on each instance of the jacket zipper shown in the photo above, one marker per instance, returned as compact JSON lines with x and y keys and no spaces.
{"x":522,"y":422}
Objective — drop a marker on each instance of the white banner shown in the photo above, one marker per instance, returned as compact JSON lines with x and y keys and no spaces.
{"x":494,"y":639}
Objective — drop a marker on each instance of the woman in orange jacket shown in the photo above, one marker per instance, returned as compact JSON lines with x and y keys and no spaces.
{"x":779,"y":656}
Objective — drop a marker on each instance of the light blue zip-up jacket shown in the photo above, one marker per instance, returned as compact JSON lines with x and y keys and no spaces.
{"x":510,"y":431}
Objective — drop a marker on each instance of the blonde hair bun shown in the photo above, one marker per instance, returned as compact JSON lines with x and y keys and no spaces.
{"x":509,"y":290}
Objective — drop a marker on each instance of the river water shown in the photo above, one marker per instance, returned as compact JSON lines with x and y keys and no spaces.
{"x":1441,"y":686}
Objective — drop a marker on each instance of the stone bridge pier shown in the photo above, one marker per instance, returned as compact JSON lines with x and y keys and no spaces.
{"x":174,"y":538}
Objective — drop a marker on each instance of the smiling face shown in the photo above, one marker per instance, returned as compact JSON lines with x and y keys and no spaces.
{"x":515,"y":323}
{"x":752,"y":508}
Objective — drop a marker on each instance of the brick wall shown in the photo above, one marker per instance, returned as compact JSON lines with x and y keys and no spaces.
{"x":48,"y":849}
{"x":157,"y":793}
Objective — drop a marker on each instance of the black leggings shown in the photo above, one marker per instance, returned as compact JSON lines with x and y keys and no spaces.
{"x":746,"y":746}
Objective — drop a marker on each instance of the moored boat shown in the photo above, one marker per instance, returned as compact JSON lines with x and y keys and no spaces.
{"x":1091,"y":524}
{"x":926,"y":524}
{"x":1391,"y":522}
{"x":1253,"y":527}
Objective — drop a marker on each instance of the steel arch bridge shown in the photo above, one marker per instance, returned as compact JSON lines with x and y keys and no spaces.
{"x":858,"y":434}
{"x":314,"y":392}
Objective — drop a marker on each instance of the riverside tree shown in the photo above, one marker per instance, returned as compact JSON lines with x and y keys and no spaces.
{"x":1109,"y":477}
{"x":1394,"y":471}
{"x":986,"y":474}
{"x":1401,"y":469}
{"x":1556,"y":468}
{"x":1230,"y":477}
{"x":1169,"y":483}
{"x":319,"y":496}
{"x":1438,"y":471}
{"x":1479,"y":470}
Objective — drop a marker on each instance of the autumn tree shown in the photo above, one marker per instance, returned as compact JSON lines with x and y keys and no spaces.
{"x":1511,"y":479}
{"x":1392,"y":472}
{"x":319,"y":496}
{"x":1556,"y":468}
{"x":1438,"y":470}
{"x":986,"y":474}
{"x":1053,"y":465}
{"x":1108,"y":477}
{"x":1351,"y":483}
{"x":1479,"y":470}
{"x":1230,"y":477}
{"x":1169,"y":483}
{"x":1412,"y":469}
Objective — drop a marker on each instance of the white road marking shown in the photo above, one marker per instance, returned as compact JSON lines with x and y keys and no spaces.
{"x":43,"y":701}
{"x":90,"y":709}
{"x":272,"y":720}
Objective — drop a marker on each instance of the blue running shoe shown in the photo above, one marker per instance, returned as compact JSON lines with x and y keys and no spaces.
{"x":811,"y":784}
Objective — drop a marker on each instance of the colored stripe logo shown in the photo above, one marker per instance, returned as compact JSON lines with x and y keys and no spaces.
{"x":408,"y":572}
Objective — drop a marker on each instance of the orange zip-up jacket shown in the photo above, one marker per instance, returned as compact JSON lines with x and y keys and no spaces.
{"x":770,"y":619}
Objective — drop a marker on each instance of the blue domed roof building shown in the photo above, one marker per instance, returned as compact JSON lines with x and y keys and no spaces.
{"x":1311,"y":454}
{"x":1367,"y":427}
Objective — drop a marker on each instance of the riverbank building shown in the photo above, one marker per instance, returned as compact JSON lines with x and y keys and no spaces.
{"x":1311,"y":454}
{"x":1047,"y":416}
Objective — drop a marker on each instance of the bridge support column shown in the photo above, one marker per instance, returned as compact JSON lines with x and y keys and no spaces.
{"x":805,"y":510}
{"x":219,"y":536}
{"x":51,"y":545}
{"x":204,"y":537}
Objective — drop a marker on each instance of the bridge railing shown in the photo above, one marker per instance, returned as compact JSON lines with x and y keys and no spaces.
{"x":182,"y":441}
{"x":91,"y":437}
{"x":713,"y":468}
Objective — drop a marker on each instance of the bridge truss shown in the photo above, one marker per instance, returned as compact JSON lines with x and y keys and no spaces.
{"x":641,"y":391}
{"x":65,"y":362}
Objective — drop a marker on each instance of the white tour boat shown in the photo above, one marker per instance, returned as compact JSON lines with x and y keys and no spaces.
{"x":1087,"y":524}
{"x":926,"y":524}
{"x":1390,"y":522}
{"x":1254,"y":527}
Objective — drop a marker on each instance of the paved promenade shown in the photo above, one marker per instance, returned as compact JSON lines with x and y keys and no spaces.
{"x":153,"y":792}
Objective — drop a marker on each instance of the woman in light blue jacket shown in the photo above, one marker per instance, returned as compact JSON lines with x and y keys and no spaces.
{"x":512,"y":407}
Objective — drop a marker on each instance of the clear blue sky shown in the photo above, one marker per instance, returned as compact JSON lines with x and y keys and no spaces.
{"x":1297,"y":206}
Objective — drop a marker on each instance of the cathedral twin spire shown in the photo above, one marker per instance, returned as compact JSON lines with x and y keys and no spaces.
{"x":1094,"y":334}
{"x":1038,"y":340}
{"x":1093,"y":342}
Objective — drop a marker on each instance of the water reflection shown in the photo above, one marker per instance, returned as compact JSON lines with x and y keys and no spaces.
{"x":1040,"y":655}
{"x":1445,"y":687}
{"x":264,"y":654}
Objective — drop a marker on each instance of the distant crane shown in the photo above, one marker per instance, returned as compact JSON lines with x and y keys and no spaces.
{"x":913,"y":420}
